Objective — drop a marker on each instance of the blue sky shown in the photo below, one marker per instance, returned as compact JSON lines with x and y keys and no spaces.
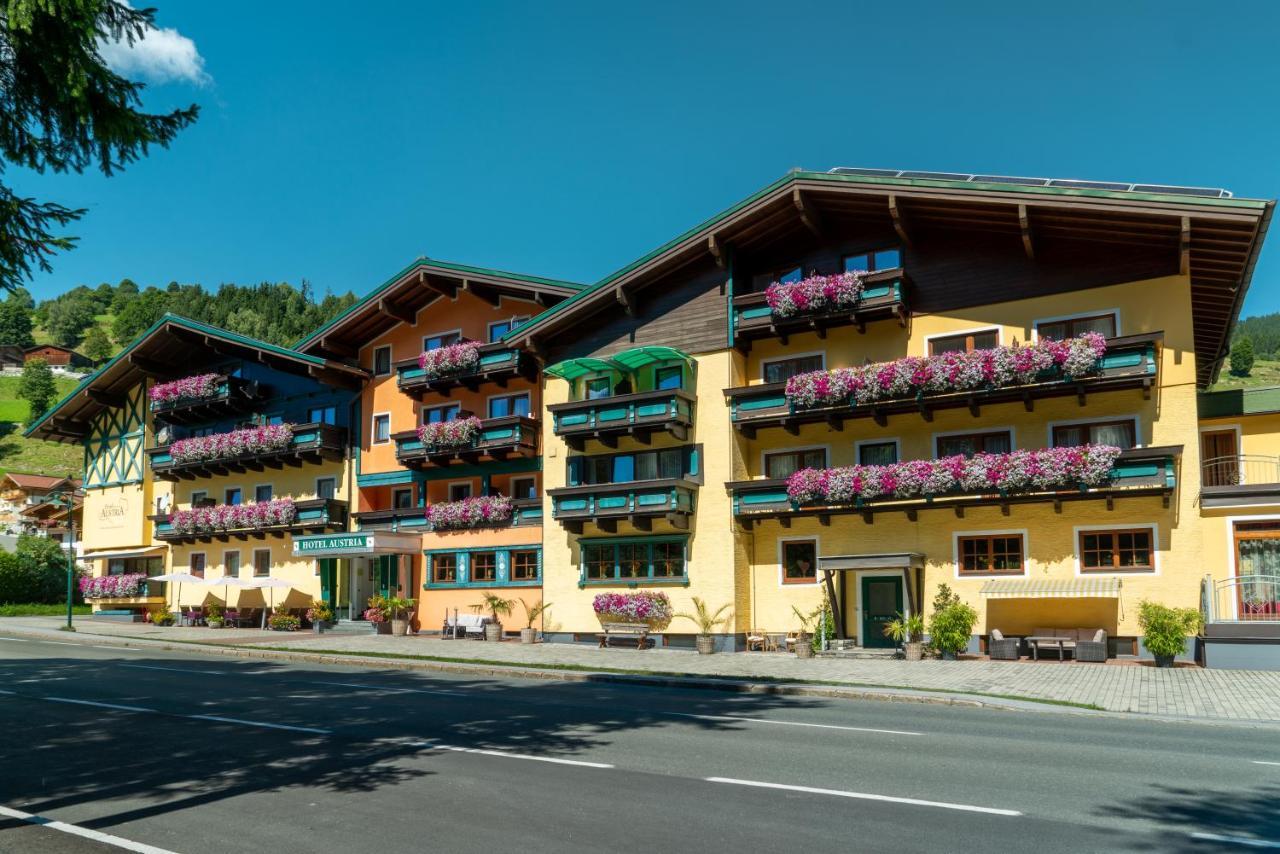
{"x":568,"y":139}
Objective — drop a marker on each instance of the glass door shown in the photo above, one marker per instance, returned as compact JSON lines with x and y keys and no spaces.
{"x":1258,"y":570}
{"x":881,"y":602}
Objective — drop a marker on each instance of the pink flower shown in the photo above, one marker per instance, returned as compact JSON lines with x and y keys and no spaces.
{"x":450,"y":359}
{"x":480,"y":511}
{"x":450,"y":434}
{"x":187,"y":388}
{"x":814,"y":294}
{"x":237,"y":443}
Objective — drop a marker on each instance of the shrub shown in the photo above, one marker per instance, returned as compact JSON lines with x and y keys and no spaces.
{"x":282,"y":621}
{"x":36,"y":572}
{"x":951,"y":627}
{"x":163,"y":617}
{"x":1242,"y":356}
{"x":319,"y":612}
{"x":1165,"y":629}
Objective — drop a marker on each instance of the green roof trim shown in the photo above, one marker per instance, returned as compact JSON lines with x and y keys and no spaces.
{"x":1238,"y":401}
{"x":364,"y":301}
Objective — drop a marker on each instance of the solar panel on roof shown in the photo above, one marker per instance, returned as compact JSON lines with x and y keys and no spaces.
{"x":1209,"y":192}
{"x":1086,"y":185}
{"x":937,"y":176}
{"x":870,"y":173}
{"x":1006,"y":179}
{"x":1067,"y":183}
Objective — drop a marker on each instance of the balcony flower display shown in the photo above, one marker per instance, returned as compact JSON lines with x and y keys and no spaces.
{"x":450,"y":359}
{"x":950,"y":372}
{"x":237,"y":443}
{"x":815,"y":294}
{"x":1044,"y":469}
{"x":187,"y":388}
{"x":450,"y":434}
{"x":111,"y":586}
{"x":232,"y":517}
{"x":479,"y":511}
{"x":641,"y":606}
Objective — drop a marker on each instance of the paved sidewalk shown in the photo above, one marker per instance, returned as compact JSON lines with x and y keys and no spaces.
{"x":1191,"y":692}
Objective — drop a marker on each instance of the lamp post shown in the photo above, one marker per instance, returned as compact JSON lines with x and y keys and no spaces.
{"x":67,"y":499}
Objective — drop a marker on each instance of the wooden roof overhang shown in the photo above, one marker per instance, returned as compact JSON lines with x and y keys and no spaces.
{"x":176,"y":347}
{"x":1215,"y":241}
{"x":401,"y":298}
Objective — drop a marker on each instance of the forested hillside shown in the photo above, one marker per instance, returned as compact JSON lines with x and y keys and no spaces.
{"x":1264,"y":330}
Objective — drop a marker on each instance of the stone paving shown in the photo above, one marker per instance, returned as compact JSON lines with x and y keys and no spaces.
{"x":1185,"y":691}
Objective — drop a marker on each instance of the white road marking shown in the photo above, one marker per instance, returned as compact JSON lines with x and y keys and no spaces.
{"x":505,"y":754}
{"x":793,"y":723}
{"x":15,"y":640}
{"x":265,"y":724}
{"x":8,"y":693}
{"x":114,"y":706}
{"x":62,"y":643}
{"x":114,"y":648}
{"x":86,"y":833}
{"x":864,"y":796}
{"x":1260,"y":762}
{"x":395,"y":690}
{"x":174,"y":669}
{"x":1237,"y":840}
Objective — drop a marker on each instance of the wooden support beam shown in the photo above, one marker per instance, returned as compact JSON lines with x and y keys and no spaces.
{"x":868,"y":517}
{"x":150,"y":366}
{"x":1111,"y":502}
{"x":642,"y":523}
{"x":925,"y":412}
{"x":1081,"y":397}
{"x":609,"y":526}
{"x":912,"y":515}
{"x":1184,"y":248}
{"x":824,"y":519}
{"x":791,"y":427}
{"x":483,"y":292}
{"x":808,"y":214}
{"x":1004,"y":508}
{"x":1028,"y":402}
{"x":337,"y":348}
{"x":396,"y":312}
{"x":974,"y":409}
{"x":438,"y":285}
{"x":835,"y":422}
{"x":836,"y":615}
{"x":678,"y":520}
{"x":105,"y":398}
{"x":1024,"y":223}
{"x":959,"y":508}
{"x":626,"y":300}
{"x":899,"y":220}
{"x":1057,"y":505}
{"x":717,"y":250}
{"x":878,"y":417}
{"x":784,"y":521}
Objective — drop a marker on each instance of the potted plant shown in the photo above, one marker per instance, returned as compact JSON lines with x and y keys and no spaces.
{"x":804,"y":640}
{"x":376,"y":617}
{"x":498,"y":608}
{"x":532,"y":612}
{"x":397,"y":610}
{"x":1165,"y":630}
{"x":283,"y":621}
{"x":163,"y":617}
{"x":707,"y":622}
{"x":320,"y":615}
{"x":908,"y":631}
{"x":951,"y":627}
{"x":213,"y":615}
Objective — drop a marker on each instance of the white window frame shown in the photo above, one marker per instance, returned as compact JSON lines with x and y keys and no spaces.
{"x":391,"y":361}
{"x":253,"y":563}
{"x":398,"y":489}
{"x":320,"y":480}
{"x":527,"y":393}
{"x":1001,"y":335}
{"x":1114,"y":312}
{"x":373,"y":429}
{"x":258,"y":486}
{"x":1119,"y":526}
{"x":511,"y":481}
{"x":239,"y":562}
{"x":471,"y":490}
{"x":198,"y":494}
{"x":764,"y":363}
{"x":782,"y":569}
{"x":957,"y":575}
{"x":457,"y":332}
{"x":857,"y":447}
{"x":766,"y":452}
{"x":204,"y":570}
{"x":1233,"y":563}
{"x":514,"y":320}
{"x":1072,"y":422}
{"x":1013,"y":435}
{"x":230,"y":487}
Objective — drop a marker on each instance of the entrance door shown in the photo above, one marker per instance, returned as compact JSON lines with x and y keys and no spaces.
{"x":1219,"y":458}
{"x":361,"y":586}
{"x":881,"y":602}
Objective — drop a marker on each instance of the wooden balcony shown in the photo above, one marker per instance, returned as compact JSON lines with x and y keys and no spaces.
{"x":638,"y":415}
{"x":498,"y":365}
{"x":1131,"y":362}
{"x":234,"y":396}
{"x":315,"y":515}
{"x":638,"y":502}
{"x":1238,"y":480}
{"x":524,"y":512}
{"x":498,"y":439}
{"x":1138,"y":472}
{"x":883,"y":298}
{"x":311,"y":443}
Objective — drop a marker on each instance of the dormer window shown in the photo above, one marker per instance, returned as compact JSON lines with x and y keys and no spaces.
{"x":1070,"y":327}
{"x":444,"y":339}
{"x":880,"y":259}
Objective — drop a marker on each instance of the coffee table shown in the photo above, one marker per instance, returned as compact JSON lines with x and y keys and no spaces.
{"x":1035,"y":641}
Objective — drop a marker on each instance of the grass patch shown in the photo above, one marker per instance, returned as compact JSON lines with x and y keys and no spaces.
{"x":32,"y":610}
{"x":1264,"y":373}
{"x":37,"y":456}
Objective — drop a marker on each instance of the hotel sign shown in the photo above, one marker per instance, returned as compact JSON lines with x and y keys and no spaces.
{"x":333,"y":544}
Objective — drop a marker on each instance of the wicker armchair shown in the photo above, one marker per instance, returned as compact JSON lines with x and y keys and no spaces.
{"x":1001,"y":648}
{"x":1093,"y":650}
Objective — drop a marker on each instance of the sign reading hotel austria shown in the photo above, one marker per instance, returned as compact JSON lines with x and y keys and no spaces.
{"x":333,"y":544}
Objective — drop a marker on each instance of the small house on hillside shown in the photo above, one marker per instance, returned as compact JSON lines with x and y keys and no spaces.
{"x":11,"y":356}
{"x":57,"y":357}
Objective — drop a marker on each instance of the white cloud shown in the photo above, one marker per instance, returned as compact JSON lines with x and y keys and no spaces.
{"x":162,"y":55}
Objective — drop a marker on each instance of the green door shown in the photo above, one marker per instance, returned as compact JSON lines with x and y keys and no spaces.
{"x":881,"y":602}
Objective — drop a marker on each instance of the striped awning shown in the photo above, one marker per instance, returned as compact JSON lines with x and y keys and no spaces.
{"x":1051,"y":588}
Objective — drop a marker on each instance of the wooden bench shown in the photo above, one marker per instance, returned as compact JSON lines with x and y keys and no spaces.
{"x":638,"y":631}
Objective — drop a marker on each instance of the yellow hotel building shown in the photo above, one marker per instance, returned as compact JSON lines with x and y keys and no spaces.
{"x":692,"y":423}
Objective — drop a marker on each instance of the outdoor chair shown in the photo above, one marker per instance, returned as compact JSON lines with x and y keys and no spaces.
{"x":231,"y":617}
{"x":1092,"y":650}
{"x":1001,"y":648}
{"x":757,"y":640}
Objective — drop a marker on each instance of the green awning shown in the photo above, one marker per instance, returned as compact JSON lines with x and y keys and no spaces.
{"x":637,"y":357}
{"x":626,"y":362}
{"x":571,"y":369}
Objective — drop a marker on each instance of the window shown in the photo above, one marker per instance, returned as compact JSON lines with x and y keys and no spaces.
{"x":199,"y":497}
{"x":880,"y":259}
{"x":326,"y":487}
{"x":968,"y":444}
{"x":273,"y":420}
{"x":233,"y":495}
{"x":444,"y":568}
{"x":597,"y":388}
{"x":629,"y":560}
{"x":1118,"y":433}
{"x":402,"y":499}
{"x":523,"y":487}
{"x":964,"y":342}
{"x":502,"y":327}
{"x":1257,"y":553}
{"x":781,"y":370}
{"x":999,"y":554}
{"x":1073,"y":326}
{"x":668,"y":378}
{"x":231,"y":564}
{"x":784,"y":275}
{"x":262,"y":492}
{"x":439,"y":414}
{"x":322,"y":415}
{"x":459,"y":491}
{"x":877,"y":453}
{"x":667,"y":464}
{"x":509,"y":404}
{"x":381,"y":429}
{"x":444,"y":339}
{"x":799,"y":562}
{"x":381,"y":361}
{"x":484,"y":566}
{"x":197,"y":564}
{"x":524,"y":566}
{"x":1117,"y":551}
{"x":261,"y":562}
{"x":786,"y":463}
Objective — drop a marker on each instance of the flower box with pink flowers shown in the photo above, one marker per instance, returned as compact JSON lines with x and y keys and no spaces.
{"x":481,"y":511}
{"x":187,"y":390}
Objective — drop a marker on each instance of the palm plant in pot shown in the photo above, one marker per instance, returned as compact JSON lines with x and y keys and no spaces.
{"x":707,"y":623}
{"x":909,"y":632}
{"x":398,"y":609}
{"x":1165,"y":630}
{"x":320,"y":615}
{"x":497,"y":608}
{"x":804,"y":640}
{"x":532,"y":612}
{"x":213,"y":615}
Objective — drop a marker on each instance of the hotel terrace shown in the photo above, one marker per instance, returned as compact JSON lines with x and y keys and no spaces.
{"x":853,"y":386}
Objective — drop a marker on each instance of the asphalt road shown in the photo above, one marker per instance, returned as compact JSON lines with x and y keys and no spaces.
{"x":158,"y":751}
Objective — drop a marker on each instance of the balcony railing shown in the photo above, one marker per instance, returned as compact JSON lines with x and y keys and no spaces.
{"x":883,"y":298}
{"x":640,"y":415}
{"x":637,"y":502}
{"x":498,"y":364}
{"x":498,"y":439}
{"x":310,"y":443}
{"x":1137,"y":472}
{"x":524,"y":512}
{"x":234,"y":395}
{"x":1130,"y":362}
{"x":314,"y":515}
{"x":1239,"y":479}
{"x":1242,"y":599}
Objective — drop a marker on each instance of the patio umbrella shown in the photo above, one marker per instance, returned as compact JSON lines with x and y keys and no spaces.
{"x":271,"y":584}
{"x":226,"y":582}
{"x":178,"y":577}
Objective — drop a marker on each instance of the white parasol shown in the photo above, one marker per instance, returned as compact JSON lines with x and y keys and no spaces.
{"x":272,"y":584}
